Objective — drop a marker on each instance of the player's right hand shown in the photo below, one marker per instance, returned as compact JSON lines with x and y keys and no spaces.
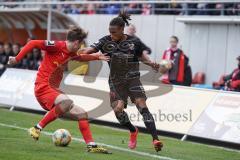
{"x":155,"y":66}
{"x":12,"y":60}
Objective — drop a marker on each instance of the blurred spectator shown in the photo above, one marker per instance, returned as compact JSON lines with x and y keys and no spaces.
{"x":159,"y":8}
{"x":180,"y":73}
{"x":174,"y":8}
{"x":237,"y":9}
{"x":1,"y":48}
{"x":230,"y":82}
{"x":8,"y":49}
{"x":31,"y":61}
{"x":100,"y":8}
{"x":36,"y":59}
{"x":184,"y":9}
{"x":133,"y":8}
{"x":90,"y":9}
{"x":188,"y":8}
{"x":3,"y":59}
{"x":138,"y":8}
{"x":16,"y":48}
{"x":5,"y":53}
{"x":146,"y":9}
{"x":201,"y":9}
{"x":113,"y":9}
{"x":76,"y":9}
{"x":218,"y":9}
{"x":131,"y":31}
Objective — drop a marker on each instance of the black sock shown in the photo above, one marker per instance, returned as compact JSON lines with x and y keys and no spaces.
{"x":149,"y":122}
{"x":124,"y":121}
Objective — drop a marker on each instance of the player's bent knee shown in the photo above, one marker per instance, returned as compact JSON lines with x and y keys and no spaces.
{"x":78,"y":113}
{"x":66,"y":105}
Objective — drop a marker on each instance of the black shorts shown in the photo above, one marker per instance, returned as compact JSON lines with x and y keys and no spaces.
{"x":121,"y":90}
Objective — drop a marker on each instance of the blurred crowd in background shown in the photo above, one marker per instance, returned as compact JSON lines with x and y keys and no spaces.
{"x":229,"y":82}
{"x":31,"y":61}
{"x":171,"y":8}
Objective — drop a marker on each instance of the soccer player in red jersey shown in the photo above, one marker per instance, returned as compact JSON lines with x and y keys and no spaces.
{"x":49,"y":76}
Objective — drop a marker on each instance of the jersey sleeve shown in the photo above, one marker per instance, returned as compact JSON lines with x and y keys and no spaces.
{"x":99,"y":44}
{"x":29,"y":47}
{"x":51,"y":46}
{"x":146,"y":48}
{"x":140,"y":47}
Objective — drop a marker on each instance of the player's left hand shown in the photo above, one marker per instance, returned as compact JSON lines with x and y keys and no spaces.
{"x":104,"y":57}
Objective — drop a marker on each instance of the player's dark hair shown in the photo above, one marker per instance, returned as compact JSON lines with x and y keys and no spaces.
{"x":76,"y":33}
{"x":175,"y":37}
{"x":121,"y":20}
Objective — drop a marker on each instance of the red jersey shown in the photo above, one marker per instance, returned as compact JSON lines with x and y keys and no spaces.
{"x":56,"y":57}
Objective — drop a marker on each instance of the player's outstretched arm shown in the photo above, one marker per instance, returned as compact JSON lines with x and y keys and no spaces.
{"x":91,"y":57}
{"x":146,"y":60}
{"x":25,"y":50}
{"x":88,"y":50}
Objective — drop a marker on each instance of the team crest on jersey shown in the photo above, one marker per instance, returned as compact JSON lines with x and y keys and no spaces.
{"x":50,"y":43}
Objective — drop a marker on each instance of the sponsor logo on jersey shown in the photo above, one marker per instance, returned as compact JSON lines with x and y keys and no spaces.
{"x":50,"y":43}
{"x":131,"y":46}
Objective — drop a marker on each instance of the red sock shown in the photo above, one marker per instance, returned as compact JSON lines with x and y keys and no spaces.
{"x":85,"y":130}
{"x":49,"y":117}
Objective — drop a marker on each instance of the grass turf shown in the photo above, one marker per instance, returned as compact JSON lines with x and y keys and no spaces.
{"x":16,"y":144}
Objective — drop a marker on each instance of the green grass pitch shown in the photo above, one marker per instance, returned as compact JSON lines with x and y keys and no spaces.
{"x":16,"y":144}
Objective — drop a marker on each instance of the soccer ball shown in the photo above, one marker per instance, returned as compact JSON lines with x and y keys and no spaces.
{"x":165,"y":65}
{"x":61,"y":137}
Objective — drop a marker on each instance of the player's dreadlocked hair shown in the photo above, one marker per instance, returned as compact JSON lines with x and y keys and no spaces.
{"x":121,"y":20}
{"x":76,"y":33}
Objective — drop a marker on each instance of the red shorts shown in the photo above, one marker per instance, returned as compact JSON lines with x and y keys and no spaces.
{"x":46,"y":95}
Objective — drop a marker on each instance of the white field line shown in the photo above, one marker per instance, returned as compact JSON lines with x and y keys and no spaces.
{"x":195,"y":143}
{"x":102,"y":144}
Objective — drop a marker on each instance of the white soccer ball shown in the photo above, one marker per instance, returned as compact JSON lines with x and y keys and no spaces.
{"x":61,"y":137}
{"x":165,"y":65}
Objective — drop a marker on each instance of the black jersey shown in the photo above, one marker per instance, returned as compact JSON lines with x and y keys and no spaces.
{"x":124,"y":62}
{"x":145,"y":47}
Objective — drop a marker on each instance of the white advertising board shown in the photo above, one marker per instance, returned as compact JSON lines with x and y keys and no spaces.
{"x":220,"y":120}
{"x":184,"y":110}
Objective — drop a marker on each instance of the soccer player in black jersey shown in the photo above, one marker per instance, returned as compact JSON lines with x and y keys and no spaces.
{"x":124,"y":80}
